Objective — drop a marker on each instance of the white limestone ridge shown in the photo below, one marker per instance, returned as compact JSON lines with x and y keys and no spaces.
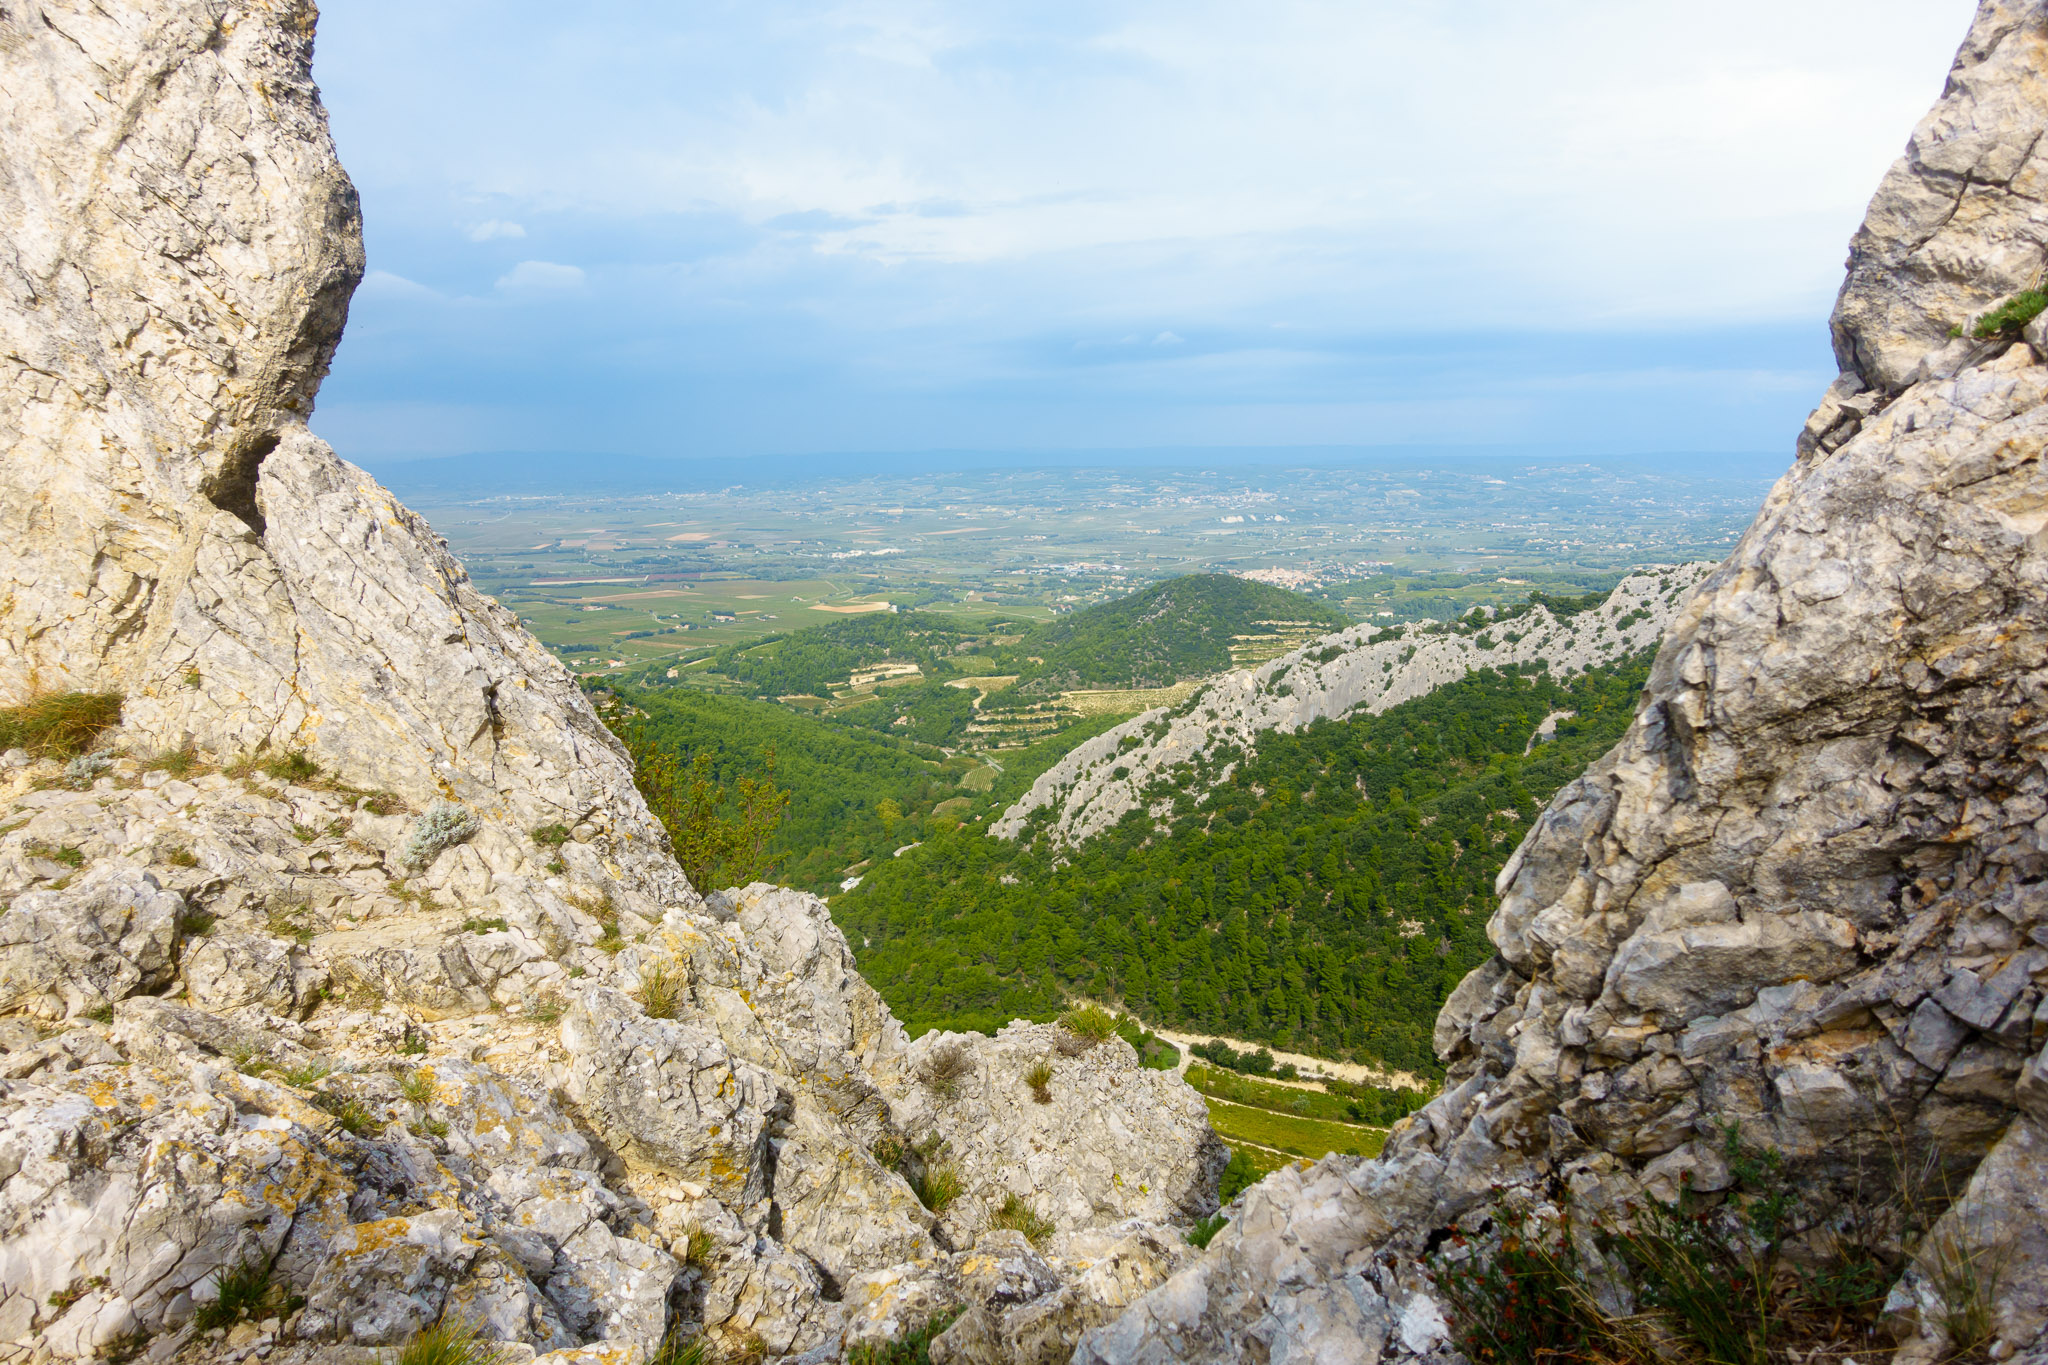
{"x":1363,"y":668}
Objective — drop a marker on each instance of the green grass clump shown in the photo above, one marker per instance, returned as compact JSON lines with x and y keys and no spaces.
{"x":352,"y":1115}
{"x":1205,"y":1229}
{"x":418,"y":1087}
{"x":661,"y":990}
{"x":292,"y":767}
{"x":550,"y":836}
{"x":307,"y":1076}
{"x":59,"y":724}
{"x":938,"y":1185}
{"x":243,"y":1293}
{"x":450,"y":1341}
{"x":1089,"y":1022}
{"x":2010,"y":317}
{"x":485,"y":926}
{"x":1018,"y":1216}
{"x":1039,"y":1078}
{"x":676,"y":1349}
{"x":912,"y":1348}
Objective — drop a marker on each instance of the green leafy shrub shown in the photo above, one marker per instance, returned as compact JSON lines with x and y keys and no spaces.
{"x":2012,"y":316}
{"x":495,"y":925}
{"x":59,"y":724}
{"x":1205,"y":1229}
{"x":550,"y":836}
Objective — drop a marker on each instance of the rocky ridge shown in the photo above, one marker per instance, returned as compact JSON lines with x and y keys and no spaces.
{"x":1804,"y":895}
{"x":1363,"y":667}
{"x":353,"y":965}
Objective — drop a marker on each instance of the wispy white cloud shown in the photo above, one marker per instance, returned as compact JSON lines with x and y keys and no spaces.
{"x":491,"y":229}
{"x":541,"y":277}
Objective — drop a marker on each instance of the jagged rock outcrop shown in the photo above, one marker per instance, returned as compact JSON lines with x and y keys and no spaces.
{"x":1193,"y":745}
{"x":354,"y":960}
{"x":1805,"y":893}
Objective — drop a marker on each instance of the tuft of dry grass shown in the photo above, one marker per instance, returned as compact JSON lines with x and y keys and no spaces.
{"x":661,"y":990}
{"x":944,"y":1068}
{"x":1039,"y":1078}
{"x":59,"y":724}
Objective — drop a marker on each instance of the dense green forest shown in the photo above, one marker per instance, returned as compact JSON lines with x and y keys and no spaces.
{"x":1166,"y":633}
{"x":854,"y":795}
{"x":1326,"y":898}
{"x":1171,"y":631}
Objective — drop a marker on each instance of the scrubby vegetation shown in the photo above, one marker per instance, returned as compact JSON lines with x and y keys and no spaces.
{"x":59,"y":724}
{"x":1758,"y":1274}
{"x":451,"y":1341}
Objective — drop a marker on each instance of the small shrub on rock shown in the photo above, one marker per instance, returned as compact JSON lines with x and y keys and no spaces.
{"x":913,"y":1348}
{"x":550,"y":836}
{"x":1205,"y":1229}
{"x":944,"y":1068}
{"x":444,"y":825}
{"x":1039,"y":1078}
{"x":1091,"y":1023}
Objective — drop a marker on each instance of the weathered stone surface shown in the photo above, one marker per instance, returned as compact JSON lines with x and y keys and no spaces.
{"x":98,"y":940}
{"x":668,"y":1094}
{"x":1116,"y":1142}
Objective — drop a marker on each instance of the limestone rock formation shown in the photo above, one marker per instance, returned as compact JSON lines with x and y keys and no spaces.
{"x":351,"y":988}
{"x":1805,"y":893}
{"x":1364,"y":668}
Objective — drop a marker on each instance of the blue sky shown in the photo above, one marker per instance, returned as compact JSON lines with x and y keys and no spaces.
{"x":720,"y":228}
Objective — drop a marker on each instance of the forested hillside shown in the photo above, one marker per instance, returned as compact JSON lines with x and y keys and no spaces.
{"x":854,"y":795}
{"x":1182,"y":628}
{"x":1327,"y":897}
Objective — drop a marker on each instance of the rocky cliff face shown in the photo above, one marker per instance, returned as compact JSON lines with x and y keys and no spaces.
{"x":1364,"y":668}
{"x":355,"y":966}
{"x":1805,"y":893}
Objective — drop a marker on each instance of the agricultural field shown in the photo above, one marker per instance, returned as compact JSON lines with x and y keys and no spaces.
{"x":1287,"y":1136}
